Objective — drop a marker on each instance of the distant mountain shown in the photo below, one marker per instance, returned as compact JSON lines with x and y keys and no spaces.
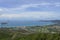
{"x":50,"y":20}
{"x":56,"y":22}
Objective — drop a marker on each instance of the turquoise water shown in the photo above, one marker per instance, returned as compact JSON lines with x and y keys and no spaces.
{"x":26,"y":23}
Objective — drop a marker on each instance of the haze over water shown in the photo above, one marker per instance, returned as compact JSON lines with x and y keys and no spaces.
{"x":26,"y":23}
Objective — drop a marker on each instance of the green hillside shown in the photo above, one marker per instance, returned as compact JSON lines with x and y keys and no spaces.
{"x":49,"y":32}
{"x":34,"y":36}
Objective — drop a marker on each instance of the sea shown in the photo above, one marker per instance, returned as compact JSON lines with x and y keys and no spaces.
{"x":26,"y":23}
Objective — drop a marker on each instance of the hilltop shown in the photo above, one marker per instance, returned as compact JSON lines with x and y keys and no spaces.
{"x":31,"y":33}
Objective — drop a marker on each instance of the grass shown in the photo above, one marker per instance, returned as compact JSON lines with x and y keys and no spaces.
{"x":32,"y":33}
{"x":6,"y":35}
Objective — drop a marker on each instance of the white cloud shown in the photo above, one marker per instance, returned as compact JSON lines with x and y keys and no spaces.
{"x":57,"y":4}
{"x":4,"y":9}
{"x":1,"y":9}
{"x":24,"y":7}
{"x":31,"y":15}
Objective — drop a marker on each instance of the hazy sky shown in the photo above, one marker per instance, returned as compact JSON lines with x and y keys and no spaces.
{"x":29,"y":9}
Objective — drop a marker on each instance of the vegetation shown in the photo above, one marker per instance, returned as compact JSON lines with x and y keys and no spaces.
{"x":34,"y":36}
{"x":49,"y":32}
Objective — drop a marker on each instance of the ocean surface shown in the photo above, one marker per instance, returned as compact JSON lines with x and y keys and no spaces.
{"x":26,"y":23}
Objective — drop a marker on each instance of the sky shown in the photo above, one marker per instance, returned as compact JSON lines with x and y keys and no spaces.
{"x":29,"y":9}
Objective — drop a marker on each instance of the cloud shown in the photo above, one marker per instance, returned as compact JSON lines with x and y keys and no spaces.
{"x":23,"y":7}
{"x":34,"y":5}
{"x":30,"y":5}
{"x":15,"y":3}
{"x":43,"y":4}
{"x":57,"y":4}
{"x":3,"y":9}
{"x":31,"y":15}
{"x":18,"y":9}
